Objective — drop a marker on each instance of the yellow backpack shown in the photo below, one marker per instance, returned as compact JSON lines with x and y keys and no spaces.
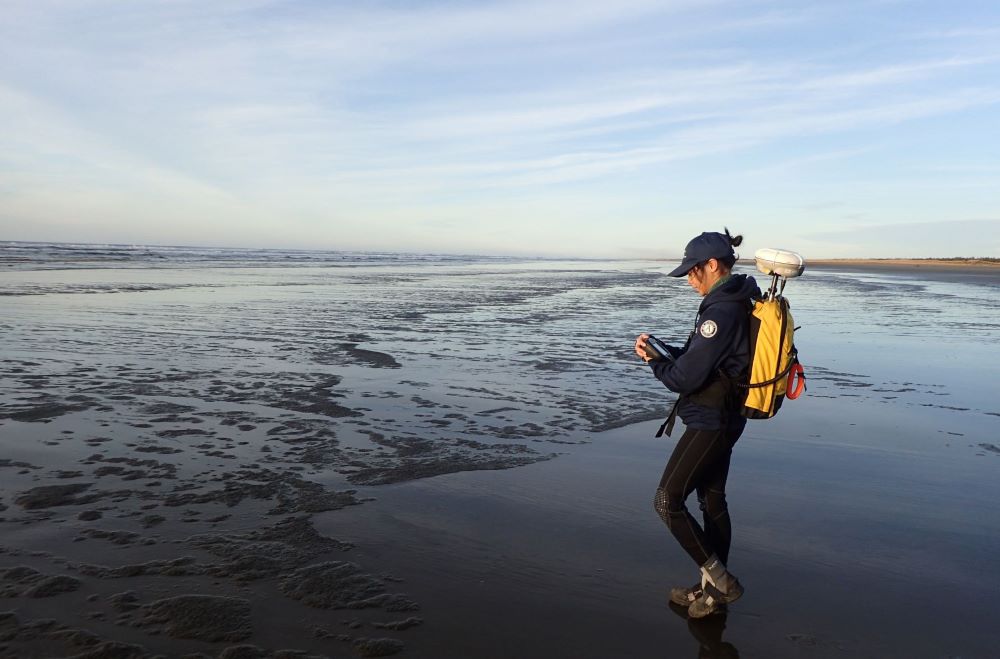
{"x":774,"y":361}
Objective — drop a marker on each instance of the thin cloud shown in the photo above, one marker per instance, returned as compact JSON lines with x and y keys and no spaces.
{"x":953,"y":237}
{"x":959,"y":33}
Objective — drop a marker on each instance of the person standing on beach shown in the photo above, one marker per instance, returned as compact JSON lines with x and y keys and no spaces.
{"x":716,"y":354}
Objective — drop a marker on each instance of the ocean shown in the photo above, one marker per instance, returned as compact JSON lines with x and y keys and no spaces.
{"x":472,"y":438}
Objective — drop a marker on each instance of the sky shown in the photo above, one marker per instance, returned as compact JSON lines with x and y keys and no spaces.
{"x":588,"y":128}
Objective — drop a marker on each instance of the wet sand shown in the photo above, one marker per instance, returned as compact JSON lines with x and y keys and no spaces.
{"x":129,"y":516}
{"x":567,"y":558}
{"x":173,"y":483}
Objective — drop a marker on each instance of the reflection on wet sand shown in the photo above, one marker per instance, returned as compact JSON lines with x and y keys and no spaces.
{"x":707,"y":632}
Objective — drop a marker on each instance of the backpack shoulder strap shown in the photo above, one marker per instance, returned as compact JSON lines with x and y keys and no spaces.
{"x":667,"y":426}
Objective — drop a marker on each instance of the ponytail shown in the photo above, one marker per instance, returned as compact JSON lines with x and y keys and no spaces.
{"x":734,"y":241}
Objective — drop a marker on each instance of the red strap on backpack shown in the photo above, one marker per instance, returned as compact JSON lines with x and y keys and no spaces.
{"x":794,"y":389}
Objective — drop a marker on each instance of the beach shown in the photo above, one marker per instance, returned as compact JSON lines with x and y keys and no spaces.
{"x":968,"y":266}
{"x":233,"y":453}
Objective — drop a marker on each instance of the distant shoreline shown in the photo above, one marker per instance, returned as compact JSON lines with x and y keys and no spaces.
{"x":978,"y":266}
{"x":911,"y":263}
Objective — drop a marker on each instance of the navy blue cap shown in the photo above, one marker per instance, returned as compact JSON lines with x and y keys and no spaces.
{"x":709,"y":245}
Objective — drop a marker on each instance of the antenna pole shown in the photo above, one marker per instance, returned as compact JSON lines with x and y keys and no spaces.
{"x":774,"y":287}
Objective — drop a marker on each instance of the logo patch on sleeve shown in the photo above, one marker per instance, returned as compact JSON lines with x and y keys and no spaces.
{"x":708,"y":329}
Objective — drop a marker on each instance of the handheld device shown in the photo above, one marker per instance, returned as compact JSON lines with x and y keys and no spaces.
{"x":656,"y":349}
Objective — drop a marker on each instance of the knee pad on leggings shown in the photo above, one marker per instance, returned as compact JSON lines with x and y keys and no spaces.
{"x":667,"y":507}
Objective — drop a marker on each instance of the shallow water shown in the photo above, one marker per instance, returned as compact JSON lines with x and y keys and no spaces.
{"x":350,"y":372}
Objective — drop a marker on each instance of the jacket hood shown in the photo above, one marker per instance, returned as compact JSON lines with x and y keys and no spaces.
{"x":739,"y":288}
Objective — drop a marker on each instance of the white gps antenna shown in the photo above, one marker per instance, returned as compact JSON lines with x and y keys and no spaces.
{"x":781,"y":265}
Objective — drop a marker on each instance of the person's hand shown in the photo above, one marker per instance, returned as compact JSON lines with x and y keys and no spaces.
{"x":640,"y":347}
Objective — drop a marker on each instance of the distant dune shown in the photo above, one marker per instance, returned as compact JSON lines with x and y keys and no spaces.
{"x":950,"y":264}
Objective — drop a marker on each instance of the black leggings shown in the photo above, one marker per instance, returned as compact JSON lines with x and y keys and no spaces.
{"x":699,"y":463}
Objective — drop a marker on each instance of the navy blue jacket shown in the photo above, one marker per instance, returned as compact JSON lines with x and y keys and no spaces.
{"x":720,"y":341}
